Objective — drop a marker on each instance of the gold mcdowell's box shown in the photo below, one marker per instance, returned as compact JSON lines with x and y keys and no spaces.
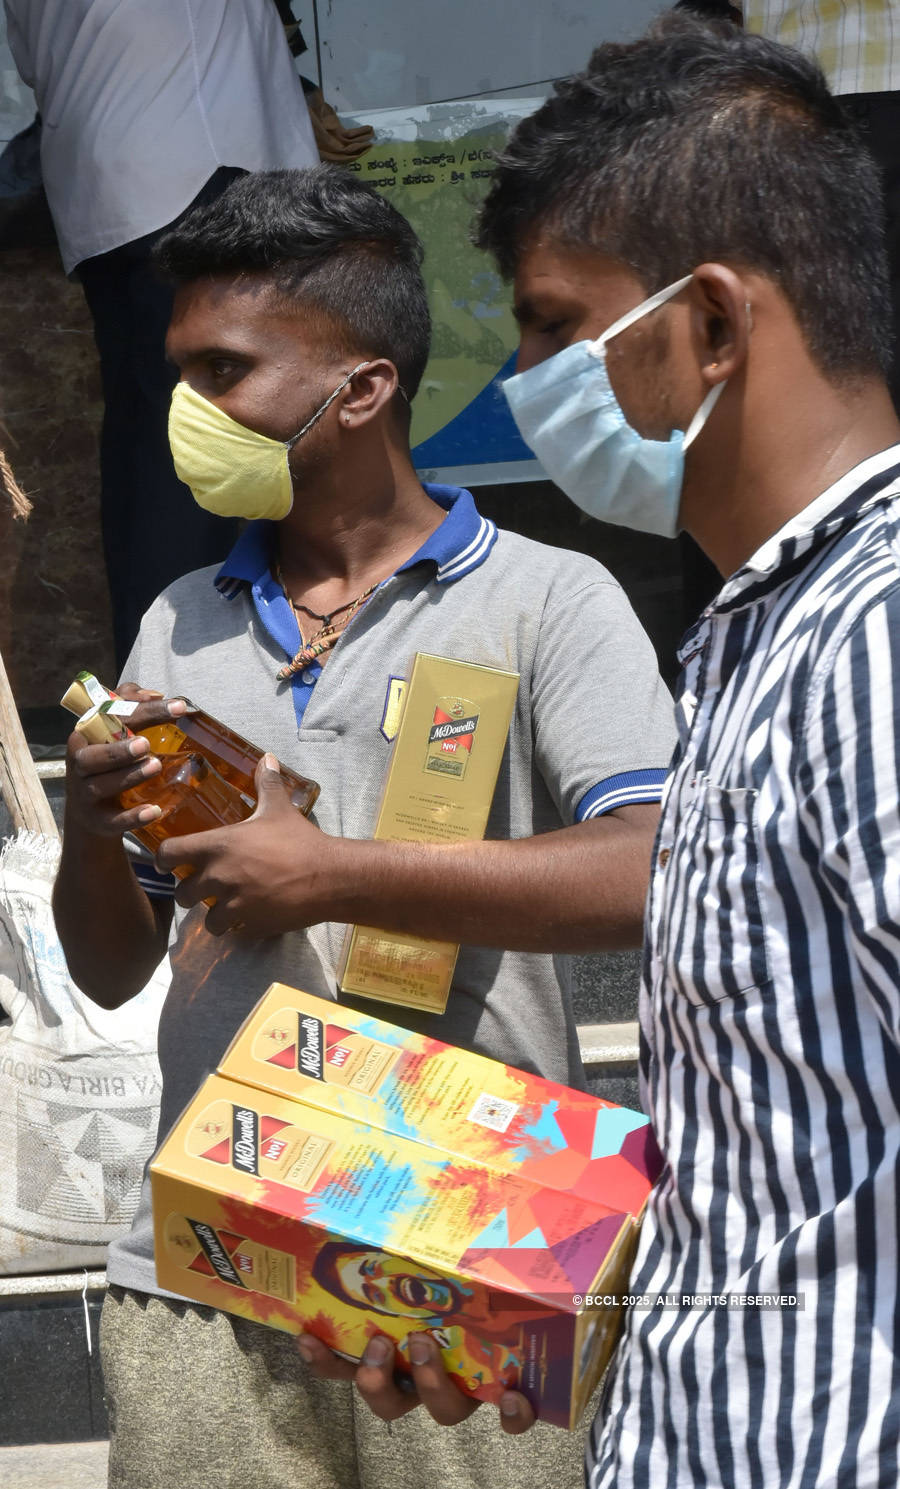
{"x":372,"y":1181}
{"x":450,"y":741}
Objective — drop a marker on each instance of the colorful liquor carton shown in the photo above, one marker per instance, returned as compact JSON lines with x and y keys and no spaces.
{"x":451,"y":734}
{"x":336,"y":1209}
{"x":351,"y":1063}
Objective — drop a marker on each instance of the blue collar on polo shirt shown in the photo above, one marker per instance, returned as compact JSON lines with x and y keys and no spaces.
{"x":460,"y":544}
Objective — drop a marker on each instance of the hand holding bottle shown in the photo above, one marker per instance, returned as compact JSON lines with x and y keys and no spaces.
{"x":267,"y":875}
{"x":195,"y":774}
{"x":96,"y":774}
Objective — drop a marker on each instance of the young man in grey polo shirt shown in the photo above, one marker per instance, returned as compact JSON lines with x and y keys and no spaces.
{"x":300,"y":308}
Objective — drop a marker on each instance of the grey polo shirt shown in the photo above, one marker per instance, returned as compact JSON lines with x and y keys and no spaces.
{"x":592,"y":730}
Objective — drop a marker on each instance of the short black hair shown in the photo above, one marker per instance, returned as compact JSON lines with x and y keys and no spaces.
{"x":702,"y":143}
{"x":329,"y":243}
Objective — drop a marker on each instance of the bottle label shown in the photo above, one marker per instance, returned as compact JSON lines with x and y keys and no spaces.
{"x":450,"y":736}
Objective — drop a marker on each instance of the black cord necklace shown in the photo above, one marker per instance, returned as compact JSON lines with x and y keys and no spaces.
{"x":325,"y":637}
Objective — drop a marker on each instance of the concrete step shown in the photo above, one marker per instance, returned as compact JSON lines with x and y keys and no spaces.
{"x":608,"y":1047}
{"x":61,"y":1465}
{"x":50,"y":1364}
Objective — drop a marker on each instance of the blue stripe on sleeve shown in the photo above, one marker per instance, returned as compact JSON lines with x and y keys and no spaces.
{"x":621,"y":791}
{"x":158,"y":886}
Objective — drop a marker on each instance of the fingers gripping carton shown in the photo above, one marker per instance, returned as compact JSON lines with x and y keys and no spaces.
{"x":345,"y":1176}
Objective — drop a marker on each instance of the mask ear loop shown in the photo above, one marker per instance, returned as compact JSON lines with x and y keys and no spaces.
{"x":702,"y":414}
{"x":597,"y":347}
{"x":289,"y":443}
{"x":712,"y":397}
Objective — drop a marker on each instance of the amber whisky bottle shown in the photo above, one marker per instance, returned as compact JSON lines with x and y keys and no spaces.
{"x":207,"y":776}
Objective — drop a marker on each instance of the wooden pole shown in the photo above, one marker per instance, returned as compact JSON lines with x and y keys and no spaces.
{"x":20,"y":784}
{"x":19,"y":502}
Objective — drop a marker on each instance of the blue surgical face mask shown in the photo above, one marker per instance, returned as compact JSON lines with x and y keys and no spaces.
{"x":568,"y":414}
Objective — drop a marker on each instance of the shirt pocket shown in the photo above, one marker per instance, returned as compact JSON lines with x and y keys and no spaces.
{"x":715,"y":930}
{"x":350,"y":782}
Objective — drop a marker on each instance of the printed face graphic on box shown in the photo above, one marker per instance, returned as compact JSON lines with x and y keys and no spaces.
{"x":387,"y":1284}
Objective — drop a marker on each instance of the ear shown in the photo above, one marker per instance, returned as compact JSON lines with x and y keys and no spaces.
{"x":370,"y":392}
{"x":720,"y":321}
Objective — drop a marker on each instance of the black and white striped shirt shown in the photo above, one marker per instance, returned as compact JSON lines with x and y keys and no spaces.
{"x":771,"y":1032}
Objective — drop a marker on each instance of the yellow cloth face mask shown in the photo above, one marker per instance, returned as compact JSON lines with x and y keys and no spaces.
{"x":231,"y":470}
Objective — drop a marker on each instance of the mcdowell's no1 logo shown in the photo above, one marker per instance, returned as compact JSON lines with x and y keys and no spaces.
{"x":323,"y":1051}
{"x":198,"y":1247}
{"x":259,"y":1145}
{"x":245,"y":1139}
{"x":450,"y":736}
{"x":214,"y":1252}
{"x":310,"y":1051}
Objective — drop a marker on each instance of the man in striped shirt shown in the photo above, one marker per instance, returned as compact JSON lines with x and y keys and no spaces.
{"x":715,"y":167}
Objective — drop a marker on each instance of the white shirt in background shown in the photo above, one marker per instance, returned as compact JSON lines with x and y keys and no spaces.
{"x":855,"y":42}
{"x":143,"y":100}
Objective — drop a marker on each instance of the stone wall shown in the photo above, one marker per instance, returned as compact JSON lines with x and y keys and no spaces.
{"x":54,"y":609}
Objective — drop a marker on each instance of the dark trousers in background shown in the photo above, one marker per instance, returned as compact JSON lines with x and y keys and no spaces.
{"x":153,"y":530}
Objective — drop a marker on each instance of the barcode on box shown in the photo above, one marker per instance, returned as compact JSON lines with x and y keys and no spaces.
{"x":493,"y":1111}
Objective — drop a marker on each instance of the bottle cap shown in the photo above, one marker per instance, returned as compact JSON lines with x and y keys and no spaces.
{"x":100,"y":726}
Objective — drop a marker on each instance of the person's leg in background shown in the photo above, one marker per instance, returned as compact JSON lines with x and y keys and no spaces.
{"x":153,"y":530}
